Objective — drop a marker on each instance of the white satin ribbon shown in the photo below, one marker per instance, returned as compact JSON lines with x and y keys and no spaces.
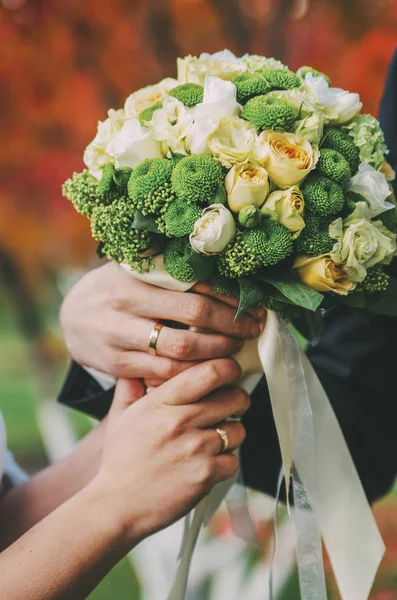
{"x":329,"y":496}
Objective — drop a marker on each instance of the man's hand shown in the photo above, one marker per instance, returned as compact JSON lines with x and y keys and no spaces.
{"x":108,"y":316}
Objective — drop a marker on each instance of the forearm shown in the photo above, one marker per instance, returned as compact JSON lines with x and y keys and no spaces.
{"x":27,"y":504}
{"x":65,"y":555}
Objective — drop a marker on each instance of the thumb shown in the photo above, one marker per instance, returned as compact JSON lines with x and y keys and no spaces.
{"x":127,"y":392}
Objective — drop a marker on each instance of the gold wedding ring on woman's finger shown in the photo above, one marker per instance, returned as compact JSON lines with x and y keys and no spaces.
{"x":153,"y":338}
{"x":224,"y":439}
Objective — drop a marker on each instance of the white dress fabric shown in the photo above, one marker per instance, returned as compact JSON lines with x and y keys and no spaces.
{"x":8,"y":466}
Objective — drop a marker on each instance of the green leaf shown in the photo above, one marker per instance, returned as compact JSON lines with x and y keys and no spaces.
{"x":251,"y":294}
{"x":387,"y":302}
{"x":203,"y":266}
{"x":175,"y":157}
{"x":293,"y":289}
{"x":121,"y":177}
{"x":100,"y":251}
{"x":355,"y":300}
{"x":159,"y":241}
{"x":145,"y":223}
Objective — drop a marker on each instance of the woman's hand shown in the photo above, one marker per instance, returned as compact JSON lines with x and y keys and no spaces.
{"x":162,"y":455}
{"x":108,"y":316}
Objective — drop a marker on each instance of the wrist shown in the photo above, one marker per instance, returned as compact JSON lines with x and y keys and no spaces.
{"x":117,"y":519}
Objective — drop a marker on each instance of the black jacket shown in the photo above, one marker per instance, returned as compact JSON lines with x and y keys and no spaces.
{"x":356,"y":361}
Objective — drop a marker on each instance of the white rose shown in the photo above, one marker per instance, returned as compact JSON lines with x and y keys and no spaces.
{"x":148,"y":96}
{"x":255,"y":62}
{"x":171,"y":124}
{"x":203,"y":127}
{"x":233,"y":142}
{"x":96,"y":154}
{"x":246,"y":184}
{"x":214,"y":230}
{"x":219,"y":99}
{"x":361,"y":243}
{"x":338,"y":106}
{"x":311,"y":128}
{"x":224,"y":65}
{"x":133,"y":144}
{"x":372,"y":184}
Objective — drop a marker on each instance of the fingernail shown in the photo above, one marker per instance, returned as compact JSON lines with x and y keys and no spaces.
{"x":255,"y":329}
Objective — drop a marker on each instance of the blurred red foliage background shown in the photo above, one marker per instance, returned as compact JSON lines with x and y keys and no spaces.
{"x":63,"y":64}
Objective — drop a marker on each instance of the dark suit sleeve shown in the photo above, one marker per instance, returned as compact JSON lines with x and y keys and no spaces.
{"x":388,"y":112}
{"x":84,"y":393}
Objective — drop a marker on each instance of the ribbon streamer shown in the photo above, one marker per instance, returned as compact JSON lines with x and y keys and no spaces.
{"x":329,"y":499}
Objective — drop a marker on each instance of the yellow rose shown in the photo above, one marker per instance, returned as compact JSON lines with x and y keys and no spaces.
{"x":233,"y":142}
{"x":286,"y":206}
{"x":288,"y":157}
{"x":323,"y":275}
{"x":246,"y":184}
{"x":388,"y":171}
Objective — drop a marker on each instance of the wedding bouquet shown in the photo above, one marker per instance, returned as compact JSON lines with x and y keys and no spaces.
{"x":272,"y":186}
{"x":265,"y":182}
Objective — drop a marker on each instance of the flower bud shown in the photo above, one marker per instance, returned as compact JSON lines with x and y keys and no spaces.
{"x":249,"y":216}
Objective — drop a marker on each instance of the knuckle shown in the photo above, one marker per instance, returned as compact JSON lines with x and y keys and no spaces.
{"x":116,"y":302}
{"x":206,"y":472}
{"x":241,"y":432}
{"x":196,"y":309}
{"x":173,"y":427}
{"x":172,"y":368}
{"x":232,"y":464}
{"x":181,"y":347}
{"x":193,"y":445}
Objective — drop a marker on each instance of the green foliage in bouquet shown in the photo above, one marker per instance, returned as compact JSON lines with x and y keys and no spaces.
{"x":267,"y":183}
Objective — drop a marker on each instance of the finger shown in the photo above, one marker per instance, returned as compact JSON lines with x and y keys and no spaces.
{"x":225,"y":466}
{"x":127,"y":392}
{"x":219,"y":406}
{"x":140,"y":364}
{"x":197,"y":382}
{"x":258,"y":312}
{"x":153,"y":383}
{"x":235,"y":433}
{"x":199,"y":311}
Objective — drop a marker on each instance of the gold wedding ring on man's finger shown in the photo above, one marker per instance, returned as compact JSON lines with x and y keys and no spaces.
{"x":224,"y":439}
{"x":153,"y":338}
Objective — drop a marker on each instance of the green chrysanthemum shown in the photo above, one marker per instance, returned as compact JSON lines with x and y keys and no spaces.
{"x":180,"y":218}
{"x":389,"y":219}
{"x":238,"y":259}
{"x":271,"y":242}
{"x":176,"y":256}
{"x":281,"y":79}
{"x":267,"y":112}
{"x":376,"y":281}
{"x":112,"y":225}
{"x":315,"y":238}
{"x":323,"y":195}
{"x":82,"y":190}
{"x":147,"y":114}
{"x":248,"y":86}
{"x":303,"y":71}
{"x":146,"y":179}
{"x":196,"y":178}
{"x":332,"y":164}
{"x":224,"y":285}
{"x":189,"y":94}
{"x":338,"y":140}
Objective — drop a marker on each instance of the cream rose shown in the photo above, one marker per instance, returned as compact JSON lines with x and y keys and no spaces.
{"x":213,"y":231}
{"x":96,"y":154}
{"x":338,"y":106}
{"x":322,"y":274}
{"x":171,"y":124}
{"x":133,"y":144}
{"x":148,"y":96}
{"x":288,"y":157}
{"x":233,"y":142}
{"x":224,"y":65}
{"x":311,"y":128}
{"x":372,"y":184}
{"x":286,"y":206}
{"x":361,"y":243}
{"x":255,"y":62}
{"x":246,"y":184}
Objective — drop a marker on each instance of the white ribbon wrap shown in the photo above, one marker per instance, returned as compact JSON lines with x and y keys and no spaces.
{"x":329,"y":497}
